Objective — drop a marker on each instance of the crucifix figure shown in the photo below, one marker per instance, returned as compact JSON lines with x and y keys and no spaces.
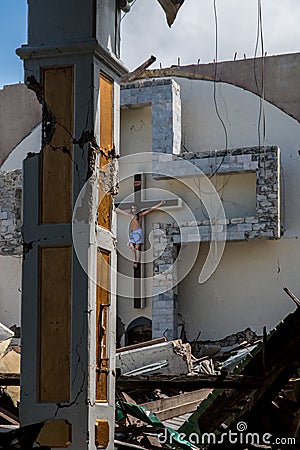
{"x":139,"y":208}
{"x":136,"y":238}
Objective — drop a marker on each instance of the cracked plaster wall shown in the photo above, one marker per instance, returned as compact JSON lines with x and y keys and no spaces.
{"x":15,"y":103}
{"x":246,"y":289}
{"x":10,"y":247}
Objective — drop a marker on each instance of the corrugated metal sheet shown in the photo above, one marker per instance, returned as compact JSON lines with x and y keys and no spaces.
{"x":176,"y":422}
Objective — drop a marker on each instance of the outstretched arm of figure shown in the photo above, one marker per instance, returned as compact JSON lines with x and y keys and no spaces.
{"x":147,"y":211}
{"x":120,"y":211}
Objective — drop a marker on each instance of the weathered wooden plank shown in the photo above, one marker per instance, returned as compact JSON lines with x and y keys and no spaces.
{"x":106,"y":145}
{"x":55,"y":434}
{"x":54,"y":324}
{"x":106,"y":115}
{"x":102,"y":311}
{"x":9,"y":416}
{"x":56,"y":167}
{"x":175,"y":406}
{"x":101,"y":433}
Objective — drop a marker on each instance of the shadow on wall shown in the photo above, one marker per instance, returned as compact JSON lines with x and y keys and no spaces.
{"x":139,"y":330}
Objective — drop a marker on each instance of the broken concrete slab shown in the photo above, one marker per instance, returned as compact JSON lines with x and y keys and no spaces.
{"x":177,"y":355}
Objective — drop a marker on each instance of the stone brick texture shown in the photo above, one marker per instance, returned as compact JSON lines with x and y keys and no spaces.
{"x":264,"y":225}
{"x":11,"y":213}
{"x":164,"y":96}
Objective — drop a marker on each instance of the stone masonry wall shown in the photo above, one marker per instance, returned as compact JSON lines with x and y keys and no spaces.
{"x":265,"y":162}
{"x":10,"y":213}
{"x":264,"y":225}
{"x":164,"y":97}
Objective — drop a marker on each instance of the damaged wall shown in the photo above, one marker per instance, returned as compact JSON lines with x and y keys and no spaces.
{"x":280,"y":75}
{"x":246,"y":289}
{"x":31,"y":144}
{"x":15,"y":103}
{"x":10,"y":290}
{"x":10,"y":247}
{"x":18,"y":105}
{"x":10,"y":212}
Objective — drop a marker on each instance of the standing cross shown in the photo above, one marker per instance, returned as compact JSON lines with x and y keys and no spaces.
{"x":141,"y":205}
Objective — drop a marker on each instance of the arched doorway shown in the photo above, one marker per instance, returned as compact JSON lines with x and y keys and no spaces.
{"x":139,"y":330}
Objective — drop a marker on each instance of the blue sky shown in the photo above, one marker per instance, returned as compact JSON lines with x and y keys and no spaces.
{"x":192,"y":37}
{"x":12,"y":34}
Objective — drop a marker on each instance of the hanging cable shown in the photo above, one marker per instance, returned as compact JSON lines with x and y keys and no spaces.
{"x":215,"y":88}
{"x":261,"y":125}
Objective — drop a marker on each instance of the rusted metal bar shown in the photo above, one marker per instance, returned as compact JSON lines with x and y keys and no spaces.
{"x":293,"y":296}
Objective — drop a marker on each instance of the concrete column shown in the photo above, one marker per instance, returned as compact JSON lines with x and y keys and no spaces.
{"x":68,"y":320}
{"x":164,"y":315}
{"x":164,"y":300}
{"x":164,"y":97}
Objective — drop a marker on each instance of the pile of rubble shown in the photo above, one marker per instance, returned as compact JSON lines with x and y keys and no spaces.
{"x":167,"y":398}
{"x":10,"y":363}
{"x":243,"y":394}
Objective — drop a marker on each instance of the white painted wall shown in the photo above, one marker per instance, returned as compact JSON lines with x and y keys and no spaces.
{"x":11,"y":266}
{"x":10,"y":290}
{"x":32,"y":143}
{"x":246,"y":289}
{"x":202,"y":131}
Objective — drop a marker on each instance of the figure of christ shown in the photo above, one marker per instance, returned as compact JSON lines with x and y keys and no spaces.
{"x":136,"y":236}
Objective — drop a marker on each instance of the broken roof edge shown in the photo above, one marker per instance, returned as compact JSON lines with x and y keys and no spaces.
{"x":280,"y":77}
{"x":235,"y":151}
{"x":197,"y":71}
{"x":143,"y":83}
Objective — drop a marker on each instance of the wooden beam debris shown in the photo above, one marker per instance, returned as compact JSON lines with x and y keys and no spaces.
{"x":177,"y":405}
{"x":141,"y":345}
{"x":9,"y":379}
{"x":131,"y":76}
{"x":187,"y":383}
{"x":9,"y":416}
{"x":247,"y":405}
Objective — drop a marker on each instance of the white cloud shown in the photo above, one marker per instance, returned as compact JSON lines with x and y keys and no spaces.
{"x":192,"y":37}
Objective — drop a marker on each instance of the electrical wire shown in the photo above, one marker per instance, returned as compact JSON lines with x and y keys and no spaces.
{"x":217,"y":108}
{"x":261,"y":124}
{"x":215,"y":89}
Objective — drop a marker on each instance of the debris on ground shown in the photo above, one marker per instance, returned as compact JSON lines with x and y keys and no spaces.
{"x":171,"y":357}
{"x":253,"y":381}
{"x":165,"y":393}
